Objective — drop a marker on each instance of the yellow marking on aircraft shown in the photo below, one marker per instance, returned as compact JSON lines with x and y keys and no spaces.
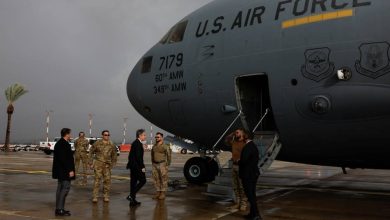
{"x":317,"y":18}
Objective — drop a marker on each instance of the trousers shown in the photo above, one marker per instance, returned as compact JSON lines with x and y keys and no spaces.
{"x":63,"y":188}
{"x":83,"y":157}
{"x":238,"y":189}
{"x":102,"y":171}
{"x":137,"y":181}
{"x":160,"y":176}
{"x":250,"y":191}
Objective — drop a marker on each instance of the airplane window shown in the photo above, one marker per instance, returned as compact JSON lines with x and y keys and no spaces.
{"x":175,"y":34}
{"x":147,"y":65}
{"x":165,"y":38}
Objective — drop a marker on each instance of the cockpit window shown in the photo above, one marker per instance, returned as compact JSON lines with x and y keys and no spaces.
{"x":147,"y":65}
{"x":175,"y":34}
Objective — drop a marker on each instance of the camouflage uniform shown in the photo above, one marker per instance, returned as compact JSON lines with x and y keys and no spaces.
{"x":239,"y":193}
{"x":161,"y":160}
{"x":81,"y":145}
{"x":103,"y":161}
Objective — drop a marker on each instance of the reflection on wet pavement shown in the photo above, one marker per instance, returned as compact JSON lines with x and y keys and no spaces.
{"x":287,"y":191}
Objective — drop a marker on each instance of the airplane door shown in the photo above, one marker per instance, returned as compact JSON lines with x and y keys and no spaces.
{"x":252,"y":95}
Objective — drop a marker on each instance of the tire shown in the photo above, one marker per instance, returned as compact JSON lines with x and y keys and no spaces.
{"x":183,"y":151}
{"x":195,"y":170}
{"x":213,"y":168}
{"x":47,"y":151}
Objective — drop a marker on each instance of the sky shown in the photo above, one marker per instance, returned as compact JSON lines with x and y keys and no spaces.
{"x":74,"y":57}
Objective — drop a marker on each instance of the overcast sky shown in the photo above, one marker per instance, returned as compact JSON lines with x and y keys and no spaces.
{"x":74,"y":57}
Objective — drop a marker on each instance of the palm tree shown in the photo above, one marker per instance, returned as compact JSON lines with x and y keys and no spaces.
{"x":12,"y":93}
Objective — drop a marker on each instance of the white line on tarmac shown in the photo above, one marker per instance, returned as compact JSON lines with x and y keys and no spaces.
{"x":225,"y":214}
{"x":15,"y":214}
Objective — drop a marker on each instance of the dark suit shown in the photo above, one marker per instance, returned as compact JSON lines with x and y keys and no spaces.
{"x":249,"y":173}
{"x":136,"y":164}
{"x":63,"y":164}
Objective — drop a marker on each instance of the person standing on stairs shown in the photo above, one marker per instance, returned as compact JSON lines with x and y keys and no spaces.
{"x":237,"y":142}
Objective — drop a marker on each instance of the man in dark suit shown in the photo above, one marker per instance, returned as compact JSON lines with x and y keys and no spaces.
{"x":63,"y":170}
{"x":137,"y":167}
{"x":249,"y":173}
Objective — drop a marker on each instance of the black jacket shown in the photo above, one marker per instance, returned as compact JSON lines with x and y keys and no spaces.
{"x":249,"y":161}
{"x":136,"y":156}
{"x":63,"y":161}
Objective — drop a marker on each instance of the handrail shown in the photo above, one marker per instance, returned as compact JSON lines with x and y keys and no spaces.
{"x":224,"y":133}
{"x":261,"y":120}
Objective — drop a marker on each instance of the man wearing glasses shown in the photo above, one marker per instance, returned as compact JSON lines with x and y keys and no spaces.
{"x":103,"y":157}
{"x":161,"y":160}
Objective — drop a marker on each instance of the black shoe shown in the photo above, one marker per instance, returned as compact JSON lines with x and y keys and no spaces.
{"x":61,"y":212}
{"x":136,"y":202}
{"x":257,"y":218}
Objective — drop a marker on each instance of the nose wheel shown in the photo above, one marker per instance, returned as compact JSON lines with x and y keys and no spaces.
{"x":200,"y":170}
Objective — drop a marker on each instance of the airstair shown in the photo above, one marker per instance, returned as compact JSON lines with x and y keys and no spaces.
{"x":268,"y":145}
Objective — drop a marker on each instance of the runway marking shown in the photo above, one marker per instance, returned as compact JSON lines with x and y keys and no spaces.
{"x":15,"y":214}
{"x":49,"y":172}
{"x":323,"y":189}
{"x":225,"y":214}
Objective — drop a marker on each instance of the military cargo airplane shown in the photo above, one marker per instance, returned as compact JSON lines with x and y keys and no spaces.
{"x":321,"y":68}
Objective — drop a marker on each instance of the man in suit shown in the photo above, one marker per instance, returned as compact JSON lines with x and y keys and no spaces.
{"x":63,"y":170}
{"x":137,"y":167}
{"x":249,"y":173}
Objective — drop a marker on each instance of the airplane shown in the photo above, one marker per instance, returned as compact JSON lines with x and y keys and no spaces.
{"x":311,"y":74}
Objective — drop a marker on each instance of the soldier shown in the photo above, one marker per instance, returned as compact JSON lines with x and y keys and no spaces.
{"x":237,"y":142}
{"x":81,"y":145}
{"x":102,"y":163}
{"x":161,"y":160}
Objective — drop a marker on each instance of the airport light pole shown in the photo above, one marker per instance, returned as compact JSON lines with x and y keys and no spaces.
{"x":90,"y":115}
{"x":48,"y":123}
{"x":124,"y":130}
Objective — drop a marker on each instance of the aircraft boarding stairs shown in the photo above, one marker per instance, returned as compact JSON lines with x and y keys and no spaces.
{"x":269,"y":147}
{"x":181,"y":143}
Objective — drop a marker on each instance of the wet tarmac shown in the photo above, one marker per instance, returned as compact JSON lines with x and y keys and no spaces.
{"x":286,"y":191}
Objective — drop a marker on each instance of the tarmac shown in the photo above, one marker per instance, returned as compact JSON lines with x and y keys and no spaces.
{"x":287,"y":191}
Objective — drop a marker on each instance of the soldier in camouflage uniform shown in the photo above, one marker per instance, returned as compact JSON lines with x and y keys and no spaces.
{"x":103,"y":157}
{"x":81,"y":147}
{"x":161,"y":160}
{"x":237,"y":142}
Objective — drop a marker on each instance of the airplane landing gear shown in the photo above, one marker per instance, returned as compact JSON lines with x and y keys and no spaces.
{"x":200,"y":170}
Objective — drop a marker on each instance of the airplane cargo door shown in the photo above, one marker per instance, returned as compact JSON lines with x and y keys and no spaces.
{"x":252,"y":94}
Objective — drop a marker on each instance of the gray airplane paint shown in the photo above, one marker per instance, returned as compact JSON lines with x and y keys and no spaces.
{"x":320,"y":118}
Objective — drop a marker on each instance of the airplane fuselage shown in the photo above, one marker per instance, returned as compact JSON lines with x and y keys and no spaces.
{"x":185,"y":86}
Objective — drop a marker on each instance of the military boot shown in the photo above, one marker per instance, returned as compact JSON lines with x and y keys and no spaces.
{"x":235,"y":206}
{"x":162,"y":196}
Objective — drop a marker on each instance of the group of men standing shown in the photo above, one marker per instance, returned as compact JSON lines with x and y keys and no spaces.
{"x":161,"y":160}
{"x":102,"y":157}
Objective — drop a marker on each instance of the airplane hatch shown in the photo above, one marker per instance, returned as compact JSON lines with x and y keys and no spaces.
{"x":252,"y":94}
